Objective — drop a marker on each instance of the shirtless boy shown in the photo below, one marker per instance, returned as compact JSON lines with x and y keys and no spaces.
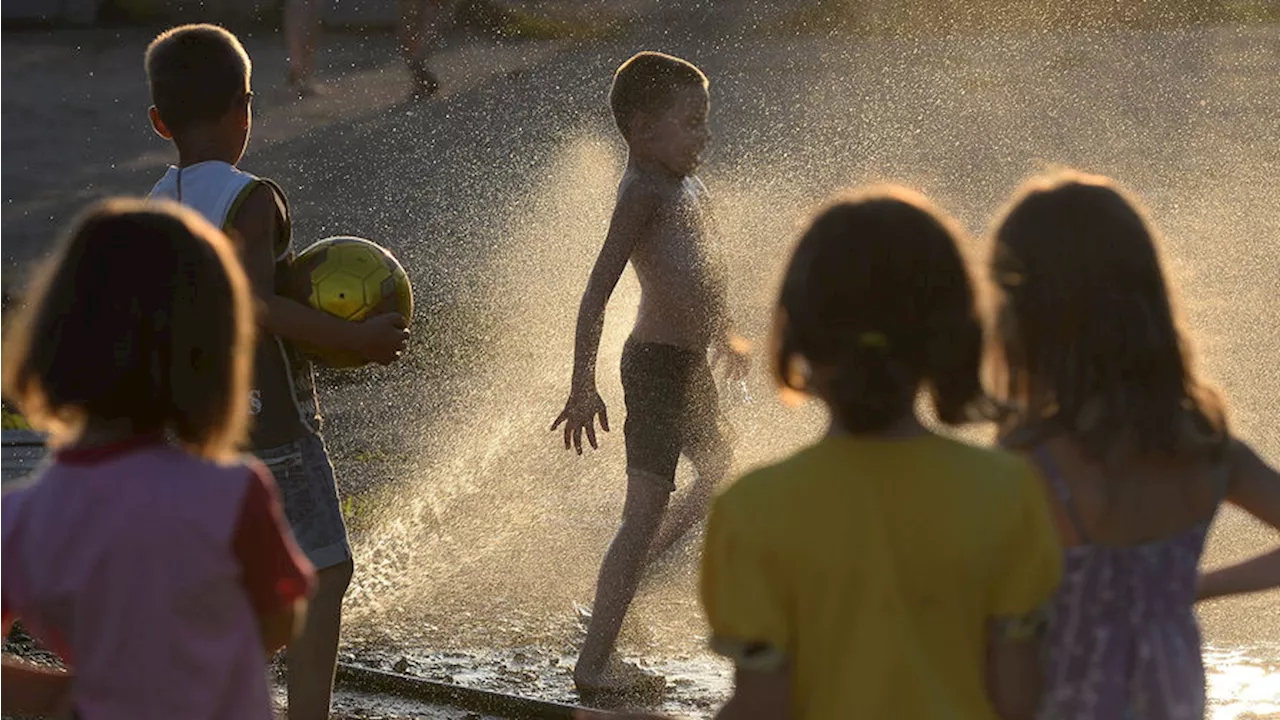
{"x":661,"y":225}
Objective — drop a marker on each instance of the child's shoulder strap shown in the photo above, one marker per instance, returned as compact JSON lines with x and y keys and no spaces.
{"x":1058,"y":483}
{"x":282,"y":204}
{"x":285,"y":235}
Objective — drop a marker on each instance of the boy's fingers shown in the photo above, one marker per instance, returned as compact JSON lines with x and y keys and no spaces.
{"x":604,"y":418}
{"x":591,"y":435}
{"x":568,"y":442}
{"x":577,"y":439}
{"x":559,"y":419}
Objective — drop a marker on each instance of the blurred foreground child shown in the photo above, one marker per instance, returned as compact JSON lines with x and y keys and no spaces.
{"x":1102,"y":395}
{"x":151,"y":558}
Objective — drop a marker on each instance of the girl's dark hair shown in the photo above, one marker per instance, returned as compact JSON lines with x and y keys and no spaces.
{"x":143,"y":313}
{"x":1087,"y":342}
{"x":877,"y":300}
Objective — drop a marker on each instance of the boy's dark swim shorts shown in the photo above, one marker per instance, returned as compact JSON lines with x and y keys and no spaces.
{"x":672,"y":408}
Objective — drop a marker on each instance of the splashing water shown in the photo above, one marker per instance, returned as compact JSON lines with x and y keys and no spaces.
{"x":494,"y":532}
{"x":500,"y":516}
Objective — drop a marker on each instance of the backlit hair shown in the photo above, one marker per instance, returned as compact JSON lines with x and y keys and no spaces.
{"x":143,"y":313}
{"x":196,"y":73}
{"x":878,"y":294}
{"x":1086,"y":340}
{"x":647,"y":82}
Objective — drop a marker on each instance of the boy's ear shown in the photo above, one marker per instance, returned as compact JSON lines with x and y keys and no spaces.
{"x":242,"y":112}
{"x":157,"y":124}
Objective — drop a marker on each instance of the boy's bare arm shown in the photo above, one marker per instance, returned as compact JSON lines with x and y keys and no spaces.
{"x":633,"y":212}
{"x":727,"y":346}
{"x":380,"y":338}
{"x":635,"y":209}
{"x":723,"y":333}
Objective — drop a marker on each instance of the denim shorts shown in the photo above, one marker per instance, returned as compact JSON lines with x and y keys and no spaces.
{"x":310,"y":497}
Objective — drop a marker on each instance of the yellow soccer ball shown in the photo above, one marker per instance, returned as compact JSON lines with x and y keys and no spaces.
{"x":351,"y":278}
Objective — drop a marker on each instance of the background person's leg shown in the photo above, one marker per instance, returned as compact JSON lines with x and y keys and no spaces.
{"x":419,"y":32}
{"x":711,"y":464}
{"x":302,"y":33}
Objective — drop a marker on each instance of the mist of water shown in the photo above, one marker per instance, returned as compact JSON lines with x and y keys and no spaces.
{"x":501,"y":530}
{"x":495,"y":532}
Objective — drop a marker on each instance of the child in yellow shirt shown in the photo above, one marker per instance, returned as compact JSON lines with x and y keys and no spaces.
{"x":884,"y":571}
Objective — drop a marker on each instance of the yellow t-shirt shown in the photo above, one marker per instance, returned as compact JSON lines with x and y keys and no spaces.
{"x":873,"y":566}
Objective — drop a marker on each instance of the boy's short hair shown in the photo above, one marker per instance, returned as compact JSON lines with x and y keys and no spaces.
{"x":196,"y":73}
{"x":144,"y":313}
{"x":647,"y":82}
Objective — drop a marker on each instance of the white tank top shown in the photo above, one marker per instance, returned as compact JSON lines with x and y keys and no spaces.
{"x":213,"y":188}
{"x":283,"y":400}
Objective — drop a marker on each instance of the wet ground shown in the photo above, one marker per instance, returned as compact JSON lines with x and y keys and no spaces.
{"x":474,"y":534}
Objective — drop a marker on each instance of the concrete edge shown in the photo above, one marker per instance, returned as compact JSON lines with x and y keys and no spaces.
{"x":21,"y":438}
{"x":483,"y":701}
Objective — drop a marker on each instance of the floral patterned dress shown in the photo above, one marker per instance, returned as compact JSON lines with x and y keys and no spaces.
{"x":1123,"y":642}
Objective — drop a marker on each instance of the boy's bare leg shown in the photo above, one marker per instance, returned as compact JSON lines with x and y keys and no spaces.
{"x":418,"y":23}
{"x":313,"y":656}
{"x":417,"y":27}
{"x":620,"y":573}
{"x":711,"y":465}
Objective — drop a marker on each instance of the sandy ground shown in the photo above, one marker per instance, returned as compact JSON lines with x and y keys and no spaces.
{"x":474,"y":536}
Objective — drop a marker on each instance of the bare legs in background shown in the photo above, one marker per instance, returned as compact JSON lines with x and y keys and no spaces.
{"x":419,"y":32}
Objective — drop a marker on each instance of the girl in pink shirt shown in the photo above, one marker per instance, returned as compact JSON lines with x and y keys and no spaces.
{"x":147,"y":554}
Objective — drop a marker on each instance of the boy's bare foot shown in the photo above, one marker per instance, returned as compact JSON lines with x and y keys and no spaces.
{"x":621,"y":682}
{"x":425,"y":82}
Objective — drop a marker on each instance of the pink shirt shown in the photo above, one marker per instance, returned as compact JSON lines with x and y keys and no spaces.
{"x":145,"y":568}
